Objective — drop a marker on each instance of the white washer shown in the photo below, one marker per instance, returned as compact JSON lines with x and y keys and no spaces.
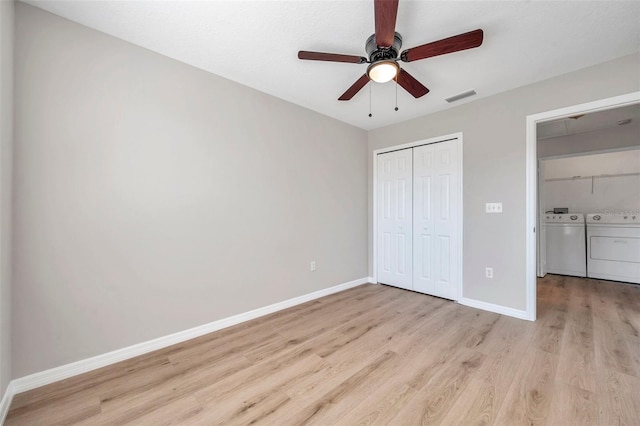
{"x":613,"y":247}
{"x":566,"y":247}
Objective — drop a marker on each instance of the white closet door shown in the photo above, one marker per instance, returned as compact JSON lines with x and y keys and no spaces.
{"x":424,"y":233}
{"x":394,"y":204}
{"x":435,"y":233}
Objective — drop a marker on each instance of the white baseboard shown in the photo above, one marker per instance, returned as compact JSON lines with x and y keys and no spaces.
{"x":6,"y":402}
{"x":42,"y":378}
{"x":371,"y":280}
{"x":498,"y":309}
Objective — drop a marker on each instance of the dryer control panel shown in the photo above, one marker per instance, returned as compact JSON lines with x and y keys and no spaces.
{"x":611,"y":219}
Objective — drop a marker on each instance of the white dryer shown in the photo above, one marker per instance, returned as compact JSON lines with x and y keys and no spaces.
{"x":566,"y":251}
{"x":613,"y":247}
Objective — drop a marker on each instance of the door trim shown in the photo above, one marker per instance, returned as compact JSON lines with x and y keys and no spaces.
{"x":532,"y":177}
{"x":542,"y":233}
{"x":444,"y":138}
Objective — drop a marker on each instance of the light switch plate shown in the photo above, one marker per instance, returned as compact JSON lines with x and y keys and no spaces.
{"x":493,"y":207}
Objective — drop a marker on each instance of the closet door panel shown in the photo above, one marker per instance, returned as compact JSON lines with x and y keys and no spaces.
{"x":435,"y":173}
{"x":395,"y":194}
{"x":446,"y":221}
{"x":425,"y":188}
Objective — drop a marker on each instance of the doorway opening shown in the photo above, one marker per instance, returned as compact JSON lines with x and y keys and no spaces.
{"x":535,"y":201}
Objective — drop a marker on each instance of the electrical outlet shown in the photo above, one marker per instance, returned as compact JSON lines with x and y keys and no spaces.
{"x":313,"y":265}
{"x":488,"y":272}
{"x":493,"y":207}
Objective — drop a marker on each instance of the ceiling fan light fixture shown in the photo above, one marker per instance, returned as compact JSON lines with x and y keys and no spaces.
{"x":383,"y":71}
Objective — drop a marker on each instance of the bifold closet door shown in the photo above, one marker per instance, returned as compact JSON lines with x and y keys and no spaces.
{"x":394,"y":212}
{"x":436,"y":181}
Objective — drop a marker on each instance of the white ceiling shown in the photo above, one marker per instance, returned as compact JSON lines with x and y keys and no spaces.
{"x":255,"y":43}
{"x":589,"y":122}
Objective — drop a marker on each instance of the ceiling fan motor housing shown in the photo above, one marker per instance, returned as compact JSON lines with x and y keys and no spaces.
{"x":383,"y":53}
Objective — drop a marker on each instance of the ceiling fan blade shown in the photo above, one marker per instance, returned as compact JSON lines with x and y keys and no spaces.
{"x":331,"y":57}
{"x":411,"y":85}
{"x":442,"y":47}
{"x":355,"y":88}
{"x":385,"y":13}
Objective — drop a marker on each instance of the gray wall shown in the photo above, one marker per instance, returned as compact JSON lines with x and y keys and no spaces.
{"x":151,"y":196}
{"x":494,"y":168}
{"x":598,"y":195}
{"x":6,"y":142}
{"x":619,"y":137}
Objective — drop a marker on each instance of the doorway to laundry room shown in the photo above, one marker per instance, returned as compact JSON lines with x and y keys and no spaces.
{"x":583,"y":201}
{"x":586,"y":289}
{"x":587,"y":213}
{"x":589,"y":195}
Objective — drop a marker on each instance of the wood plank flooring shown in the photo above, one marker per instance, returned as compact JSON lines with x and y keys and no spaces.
{"x":379,"y":355}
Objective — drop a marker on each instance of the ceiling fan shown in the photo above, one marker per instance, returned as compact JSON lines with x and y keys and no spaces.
{"x":383,"y":47}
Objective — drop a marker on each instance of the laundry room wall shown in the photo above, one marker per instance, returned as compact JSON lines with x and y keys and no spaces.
{"x":618,"y":137}
{"x":593,"y":183}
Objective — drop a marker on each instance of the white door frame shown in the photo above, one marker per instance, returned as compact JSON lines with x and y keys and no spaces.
{"x":532,"y":178}
{"x":437,"y":139}
{"x":541,"y":242}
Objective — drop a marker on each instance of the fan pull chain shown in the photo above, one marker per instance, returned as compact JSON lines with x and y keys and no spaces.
{"x":370,"y":115}
{"x":396,"y":79}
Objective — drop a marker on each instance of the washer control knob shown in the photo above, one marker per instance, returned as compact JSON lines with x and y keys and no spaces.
{"x":574,"y":217}
{"x":626,"y":217}
{"x":597,"y":217}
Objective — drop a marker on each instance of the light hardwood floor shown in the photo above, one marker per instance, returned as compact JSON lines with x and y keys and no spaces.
{"x":379,"y":355}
